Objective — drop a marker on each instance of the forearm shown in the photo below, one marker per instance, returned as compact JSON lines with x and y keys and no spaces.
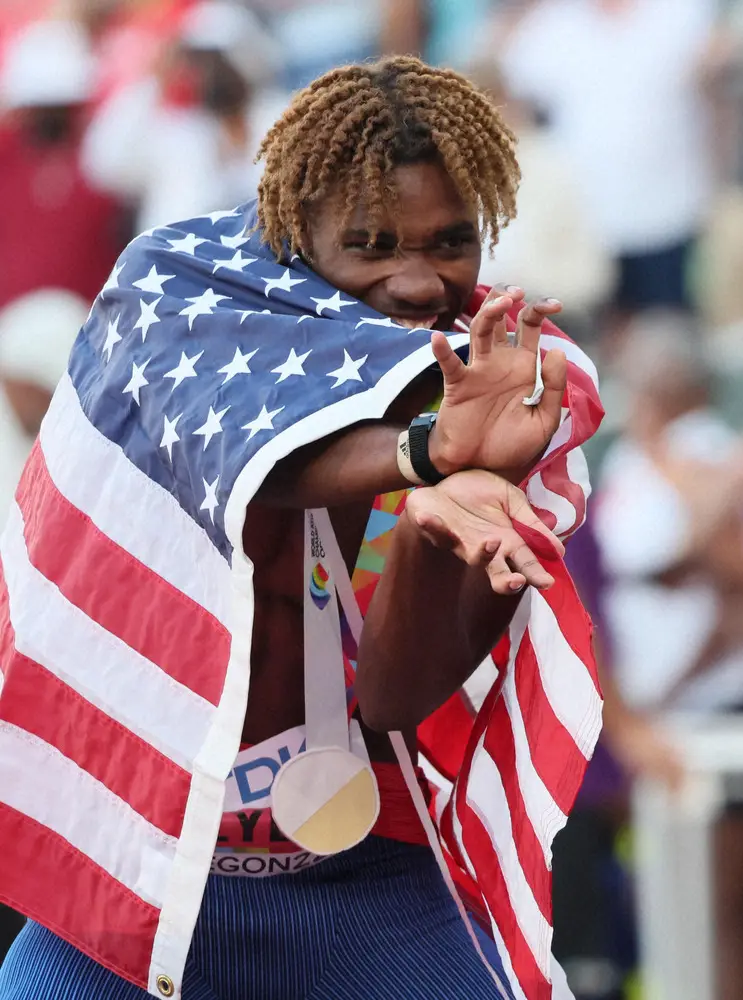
{"x":345,"y":468}
{"x":432,"y":621}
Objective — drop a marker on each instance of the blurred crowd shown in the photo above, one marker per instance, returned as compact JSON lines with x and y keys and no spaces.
{"x":118,"y":115}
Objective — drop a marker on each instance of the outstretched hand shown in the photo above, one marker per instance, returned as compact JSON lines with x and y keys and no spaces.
{"x":472,"y":514}
{"x":483,"y":422}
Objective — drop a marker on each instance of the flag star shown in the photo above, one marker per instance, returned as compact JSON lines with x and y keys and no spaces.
{"x":263,"y":422}
{"x":153,"y":282}
{"x":238,"y":365}
{"x":113,"y":337}
{"x":183,"y":370}
{"x":371,"y":321}
{"x":349,"y":370}
{"x":292,"y":366}
{"x":187,"y":245}
{"x":253,"y":312}
{"x":212,"y":425}
{"x":218,"y":216}
{"x":303,"y":317}
{"x":210,"y":500}
{"x":137,"y":381}
{"x":202,"y":305}
{"x":334,"y":304}
{"x":170,"y":435}
{"x":237,"y":263}
{"x":285,"y":282}
{"x":233,"y":242}
{"x":113,"y":279}
{"x":148,"y":316}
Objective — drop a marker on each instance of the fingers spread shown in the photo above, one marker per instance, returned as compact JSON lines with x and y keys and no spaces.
{"x":452,"y":368}
{"x":489,"y":326}
{"x":529,"y":325}
{"x":502,"y":578}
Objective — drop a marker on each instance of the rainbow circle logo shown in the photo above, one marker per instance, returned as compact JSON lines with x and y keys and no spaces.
{"x":319,"y":586}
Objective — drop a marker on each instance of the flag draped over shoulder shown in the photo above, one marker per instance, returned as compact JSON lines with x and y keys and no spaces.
{"x":126,"y":601}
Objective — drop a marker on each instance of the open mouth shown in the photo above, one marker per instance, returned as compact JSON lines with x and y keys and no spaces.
{"x":424,"y":323}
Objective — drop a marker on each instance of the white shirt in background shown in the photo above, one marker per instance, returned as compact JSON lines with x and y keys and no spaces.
{"x":641,"y":525}
{"x":621,"y":93}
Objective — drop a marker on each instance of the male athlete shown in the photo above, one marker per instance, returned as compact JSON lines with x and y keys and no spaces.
{"x":379,"y":183}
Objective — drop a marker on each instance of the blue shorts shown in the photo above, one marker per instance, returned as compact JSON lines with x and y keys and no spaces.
{"x":376,"y":922}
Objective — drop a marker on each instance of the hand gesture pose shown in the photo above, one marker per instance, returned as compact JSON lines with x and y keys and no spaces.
{"x":483,"y":422}
{"x":472,"y":514}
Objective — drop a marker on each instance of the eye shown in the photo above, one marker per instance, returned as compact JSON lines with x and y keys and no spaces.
{"x":380,"y":248}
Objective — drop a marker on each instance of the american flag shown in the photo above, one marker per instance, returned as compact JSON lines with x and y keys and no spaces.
{"x":126,"y":601}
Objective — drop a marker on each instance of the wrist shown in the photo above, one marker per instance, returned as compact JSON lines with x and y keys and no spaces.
{"x":440,"y":453}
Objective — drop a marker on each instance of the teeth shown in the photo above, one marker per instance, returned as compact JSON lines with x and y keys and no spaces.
{"x":416,"y":324}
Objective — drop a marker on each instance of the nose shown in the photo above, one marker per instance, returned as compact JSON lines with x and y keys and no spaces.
{"x":416,"y":283}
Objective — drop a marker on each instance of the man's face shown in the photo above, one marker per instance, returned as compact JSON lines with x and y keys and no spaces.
{"x":424,"y":279}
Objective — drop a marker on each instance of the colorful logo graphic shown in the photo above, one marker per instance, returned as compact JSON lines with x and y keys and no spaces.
{"x":319,"y":586}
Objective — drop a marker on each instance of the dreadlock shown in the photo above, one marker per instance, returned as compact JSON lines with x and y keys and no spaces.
{"x":353,"y":126}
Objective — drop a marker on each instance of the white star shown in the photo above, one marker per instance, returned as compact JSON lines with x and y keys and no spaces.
{"x":187,"y":245}
{"x":137,"y":381}
{"x":349,"y":370}
{"x":285,"y":282}
{"x":218,"y":216}
{"x":334,"y":304}
{"x":371,"y":321}
{"x":147,"y":317}
{"x":263,"y":422}
{"x":112,"y":338}
{"x":303,"y":317}
{"x":212,"y":426}
{"x":253,"y":312}
{"x":238,"y":365}
{"x":113,"y":279}
{"x":210,"y":500}
{"x":236,"y":263}
{"x":153,"y":282}
{"x":184,"y":369}
{"x":170,"y":435}
{"x":292,"y":366}
{"x":233,"y":242}
{"x":203,"y":305}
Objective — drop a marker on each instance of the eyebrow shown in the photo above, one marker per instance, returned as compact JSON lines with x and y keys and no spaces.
{"x":456,"y":229}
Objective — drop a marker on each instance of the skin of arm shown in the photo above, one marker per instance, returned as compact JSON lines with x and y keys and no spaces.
{"x":408,"y":664}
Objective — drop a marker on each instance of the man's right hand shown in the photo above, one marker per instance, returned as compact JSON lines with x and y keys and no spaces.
{"x":483,"y":422}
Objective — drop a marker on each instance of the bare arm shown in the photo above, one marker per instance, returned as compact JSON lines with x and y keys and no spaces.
{"x":451,"y":584}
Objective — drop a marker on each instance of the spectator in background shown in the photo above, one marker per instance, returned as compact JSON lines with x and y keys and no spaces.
{"x":669,"y":520}
{"x":620,"y":83}
{"x":550,"y":248}
{"x":56,"y":229}
{"x":182,"y":143}
{"x":36,"y":336}
{"x":317,"y":35}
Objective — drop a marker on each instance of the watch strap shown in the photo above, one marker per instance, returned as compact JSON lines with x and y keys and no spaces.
{"x":420,"y":459}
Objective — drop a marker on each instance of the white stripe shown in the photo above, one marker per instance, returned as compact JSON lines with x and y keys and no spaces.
{"x":546,"y":499}
{"x":562,"y":434}
{"x":565,"y":679}
{"x":98,"y":665}
{"x":95,"y":475}
{"x":40,"y":782}
{"x":487,"y":797}
{"x":545,"y":815}
{"x":572,"y":352}
{"x":500,"y":944}
{"x":577,"y":468}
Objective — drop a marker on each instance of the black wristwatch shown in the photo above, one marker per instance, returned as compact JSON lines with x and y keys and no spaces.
{"x":418,"y":434}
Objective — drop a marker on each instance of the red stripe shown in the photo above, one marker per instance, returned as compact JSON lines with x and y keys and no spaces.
{"x":500,"y":746}
{"x":44,"y":877}
{"x":575,"y":622}
{"x":555,"y":477}
{"x":493,"y":885}
{"x":556,"y":757}
{"x":38,"y":702}
{"x":117,"y":591}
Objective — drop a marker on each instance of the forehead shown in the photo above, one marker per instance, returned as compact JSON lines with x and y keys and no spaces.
{"x":427,"y":202}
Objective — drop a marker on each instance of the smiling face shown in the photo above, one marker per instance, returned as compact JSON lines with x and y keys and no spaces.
{"x":423,"y":263}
